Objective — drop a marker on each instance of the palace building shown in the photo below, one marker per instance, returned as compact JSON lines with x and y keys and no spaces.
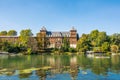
{"x":55,"y":38}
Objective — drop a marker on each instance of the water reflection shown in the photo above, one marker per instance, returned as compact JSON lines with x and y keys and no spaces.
{"x":59,"y":67}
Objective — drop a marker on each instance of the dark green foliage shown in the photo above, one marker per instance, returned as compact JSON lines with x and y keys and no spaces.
{"x":3,"y":33}
{"x":28,"y":43}
{"x":97,"y":41}
{"x":5,"y":46}
{"x":12,"y":33}
{"x":72,"y":50}
{"x":83,"y":43}
{"x":115,"y":39}
{"x":105,"y":47}
{"x":8,"y":47}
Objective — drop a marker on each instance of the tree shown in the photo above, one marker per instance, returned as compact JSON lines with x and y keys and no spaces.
{"x":97,"y":39}
{"x":66,"y":44}
{"x":114,"y":48}
{"x":105,"y":47}
{"x":32,"y":44}
{"x":24,"y":36}
{"x":93,"y":37}
{"x":102,"y":37}
{"x":25,"y":40}
{"x":5,"y":46}
{"x":94,"y":34}
{"x":42,"y":41}
{"x":12,"y":33}
{"x":83,"y":43}
{"x":3,"y":33}
{"x":115,"y":39}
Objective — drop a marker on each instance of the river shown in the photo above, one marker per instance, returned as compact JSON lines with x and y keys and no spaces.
{"x":59,"y":67}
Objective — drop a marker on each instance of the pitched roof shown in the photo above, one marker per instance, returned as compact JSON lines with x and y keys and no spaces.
{"x":58,"y":34}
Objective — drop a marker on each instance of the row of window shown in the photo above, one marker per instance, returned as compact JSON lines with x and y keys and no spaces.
{"x":58,"y":35}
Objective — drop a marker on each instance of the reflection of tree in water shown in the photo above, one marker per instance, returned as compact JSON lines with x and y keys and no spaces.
{"x":10,"y":73}
{"x":51,"y":61}
{"x":24,"y":75}
{"x":115,"y":61}
{"x":101,"y":66}
{"x":51,"y":65}
{"x":84,"y":62}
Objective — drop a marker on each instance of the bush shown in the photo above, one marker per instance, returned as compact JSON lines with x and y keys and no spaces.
{"x":72,"y":50}
{"x":108,"y":53}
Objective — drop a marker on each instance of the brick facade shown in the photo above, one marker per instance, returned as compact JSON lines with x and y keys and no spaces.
{"x":56,"y":38}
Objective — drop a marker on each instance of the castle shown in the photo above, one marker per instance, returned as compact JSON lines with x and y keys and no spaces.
{"x":55,"y":38}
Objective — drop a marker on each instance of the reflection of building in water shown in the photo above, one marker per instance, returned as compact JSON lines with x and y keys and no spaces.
{"x":73,"y":67}
{"x":42,"y":74}
{"x":51,"y":62}
{"x":58,"y":67}
{"x":55,"y":64}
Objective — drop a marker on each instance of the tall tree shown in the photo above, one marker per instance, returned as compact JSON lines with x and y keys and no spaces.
{"x":83,"y":43}
{"x":93,"y":37}
{"x":101,"y":38}
{"x":66,"y":44}
{"x":3,"y":33}
{"x":12,"y":33}
{"x":105,"y":47}
{"x":24,"y":36}
{"x":115,"y":39}
{"x":26,"y":42}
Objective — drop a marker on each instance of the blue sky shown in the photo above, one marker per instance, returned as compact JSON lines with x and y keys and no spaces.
{"x":60,"y":15}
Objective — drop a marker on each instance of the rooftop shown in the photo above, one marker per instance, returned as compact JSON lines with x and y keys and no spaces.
{"x":58,"y":34}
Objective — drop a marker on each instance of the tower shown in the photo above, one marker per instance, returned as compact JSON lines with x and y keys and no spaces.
{"x":43,"y":31}
{"x":73,"y":37}
{"x":42,"y":39}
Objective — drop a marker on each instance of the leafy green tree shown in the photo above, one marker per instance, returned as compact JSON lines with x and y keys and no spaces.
{"x":66,"y":44}
{"x":93,"y":37}
{"x":24,"y":36}
{"x":12,"y":33}
{"x":114,"y":48}
{"x":105,"y":47}
{"x":5,"y":46}
{"x":25,"y":40}
{"x":3,"y":33}
{"x":102,"y":37}
{"x":32,"y":44}
{"x":115,"y":39}
{"x":94,"y":34}
{"x":83,"y":43}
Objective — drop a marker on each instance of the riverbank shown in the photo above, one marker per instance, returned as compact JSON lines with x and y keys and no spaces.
{"x":9,"y":54}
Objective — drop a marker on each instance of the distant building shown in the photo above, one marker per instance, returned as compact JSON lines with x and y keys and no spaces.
{"x":55,"y":38}
{"x":12,"y":39}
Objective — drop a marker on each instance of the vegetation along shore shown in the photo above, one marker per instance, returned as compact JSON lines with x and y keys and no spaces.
{"x":25,"y":43}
